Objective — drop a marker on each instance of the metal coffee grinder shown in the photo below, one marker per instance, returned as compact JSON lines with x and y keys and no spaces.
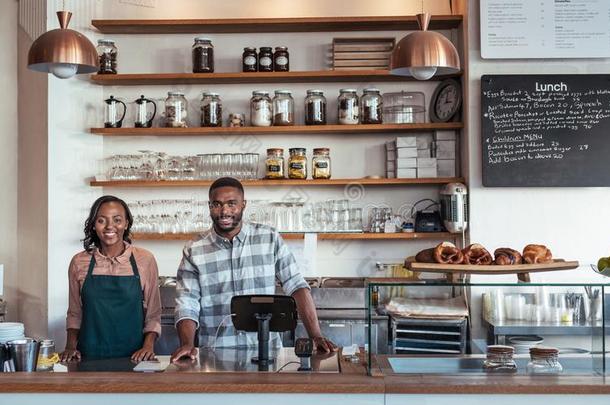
{"x":454,"y":207}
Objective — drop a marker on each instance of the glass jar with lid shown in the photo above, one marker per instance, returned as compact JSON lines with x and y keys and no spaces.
{"x":261,"y":110}
{"x":315,"y":108}
{"x":297,"y":164}
{"x":203,"y":56}
{"x":281,"y":59}
{"x":283,"y":108}
{"x":320,"y":164}
{"x":211,"y":110}
{"x":265,"y":59}
{"x":175,"y":110}
{"x":544,"y":360}
{"x":348,"y":107}
{"x":274,"y":163}
{"x":107,"y":53}
{"x":249,"y":60}
{"x":372,"y":104}
{"x":500,"y":359}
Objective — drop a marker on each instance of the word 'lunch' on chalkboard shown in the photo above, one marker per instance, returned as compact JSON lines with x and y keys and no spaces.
{"x":545,"y":130}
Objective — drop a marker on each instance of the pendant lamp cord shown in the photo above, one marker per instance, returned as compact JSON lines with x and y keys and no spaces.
{"x":63,"y":5}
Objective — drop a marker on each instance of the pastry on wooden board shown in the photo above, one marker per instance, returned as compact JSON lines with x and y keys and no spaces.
{"x":448,"y":253}
{"x":476,"y":254}
{"x":507,"y":256}
{"x":425,"y":256}
{"x":537,"y":254}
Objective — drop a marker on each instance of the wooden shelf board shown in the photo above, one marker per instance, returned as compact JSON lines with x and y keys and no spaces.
{"x":255,"y":25}
{"x":279,"y":183}
{"x":321,"y":236}
{"x":323,"y":76}
{"x":297,"y":129}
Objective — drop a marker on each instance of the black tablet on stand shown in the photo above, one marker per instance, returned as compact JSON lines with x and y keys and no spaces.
{"x":264,"y":314}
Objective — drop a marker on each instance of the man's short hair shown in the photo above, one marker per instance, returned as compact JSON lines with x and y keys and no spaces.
{"x":226,"y":182}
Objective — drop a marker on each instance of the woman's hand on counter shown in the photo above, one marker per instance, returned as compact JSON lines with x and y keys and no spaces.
{"x":324,"y":345}
{"x":70,"y":355}
{"x":145,"y":353}
{"x":184,"y":351}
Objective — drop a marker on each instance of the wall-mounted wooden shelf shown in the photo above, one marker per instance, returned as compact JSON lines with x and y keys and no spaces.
{"x":323,"y":76}
{"x":256,"y":25}
{"x":280,"y":183}
{"x":321,"y":236}
{"x":297,"y":129}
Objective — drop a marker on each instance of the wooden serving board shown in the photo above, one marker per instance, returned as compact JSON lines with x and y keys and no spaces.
{"x":521,"y":270}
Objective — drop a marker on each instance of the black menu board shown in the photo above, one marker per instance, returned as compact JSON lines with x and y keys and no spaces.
{"x":545,"y":130}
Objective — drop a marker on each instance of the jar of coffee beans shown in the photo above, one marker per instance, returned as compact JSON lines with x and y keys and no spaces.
{"x":315,"y":108}
{"x":203,"y":56}
{"x":211,"y":110}
{"x":107,"y":53}
{"x":371,"y":103}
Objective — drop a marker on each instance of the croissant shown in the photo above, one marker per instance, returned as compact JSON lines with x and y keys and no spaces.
{"x":425,"y":256}
{"x":476,"y":254}
{"x":447,"y":253}
{"x":533,"y":254}
{"x":506,"y":256}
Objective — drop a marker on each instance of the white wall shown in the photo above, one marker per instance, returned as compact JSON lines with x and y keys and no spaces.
{"x":8,"y":152}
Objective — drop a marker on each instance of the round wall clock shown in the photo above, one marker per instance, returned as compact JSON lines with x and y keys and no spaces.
{"x":446,"y":101}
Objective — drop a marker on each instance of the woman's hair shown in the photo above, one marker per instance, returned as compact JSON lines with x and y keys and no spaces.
{"x":91,"y":239}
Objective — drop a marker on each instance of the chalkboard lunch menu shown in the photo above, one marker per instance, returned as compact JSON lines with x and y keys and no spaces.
{"x":545,"y":130}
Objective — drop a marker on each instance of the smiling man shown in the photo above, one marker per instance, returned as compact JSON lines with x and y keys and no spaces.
{"x":235,"y":258}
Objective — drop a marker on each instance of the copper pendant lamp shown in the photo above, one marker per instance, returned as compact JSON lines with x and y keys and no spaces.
{"x":63,"y":52}
{"x":422,"y":54}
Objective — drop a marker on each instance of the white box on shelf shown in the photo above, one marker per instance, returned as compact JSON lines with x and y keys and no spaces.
{"x":424,"y":141}
{"x":423,"y":153}
{"x":390,"y":145}
{"x":446,"y":167}
{"x":406,"y":163}
{"x":406,"y":152}
{"x":445,"y":149}
{"x":426,"y":163}
{"x":406,"y":173}
{"x":406,"y":141}
{"x":426,"y":172}
{"x":445,"y":135}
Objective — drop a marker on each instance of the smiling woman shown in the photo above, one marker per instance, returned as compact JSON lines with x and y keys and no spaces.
{"x":114,"y":306}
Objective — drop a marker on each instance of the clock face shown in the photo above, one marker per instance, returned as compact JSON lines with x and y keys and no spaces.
{"x":446,"y":102}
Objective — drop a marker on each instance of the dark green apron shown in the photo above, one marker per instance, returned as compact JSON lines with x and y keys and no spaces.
{"x":113,"y":314}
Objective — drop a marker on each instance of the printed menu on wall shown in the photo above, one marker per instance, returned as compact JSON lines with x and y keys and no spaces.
{"x":545,"y":130}
{"x":531,"y":29}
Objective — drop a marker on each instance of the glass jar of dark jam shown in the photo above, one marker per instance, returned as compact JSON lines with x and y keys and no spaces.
{"x":249,"y":60}
{"x":265,"y":59}
{"x":203,"y":56}
{"x":281,"y":61}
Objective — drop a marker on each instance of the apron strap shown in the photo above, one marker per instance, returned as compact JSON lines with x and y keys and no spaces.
{"x":134,"y":266}
{"x":91,"y":265}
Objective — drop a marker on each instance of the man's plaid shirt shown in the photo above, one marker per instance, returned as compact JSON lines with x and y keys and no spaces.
{"x":213,"y":270}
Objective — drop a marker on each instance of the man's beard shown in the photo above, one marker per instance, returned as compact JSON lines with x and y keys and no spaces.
{"x":235,"y":221}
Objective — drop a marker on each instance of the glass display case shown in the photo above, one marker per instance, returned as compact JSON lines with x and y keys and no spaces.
{"x":453,"y":328}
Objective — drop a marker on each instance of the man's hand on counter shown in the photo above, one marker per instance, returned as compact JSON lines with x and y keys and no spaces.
{"x":70,"y":355}
{"x":324,"y":345}
{"x":188,"y":351}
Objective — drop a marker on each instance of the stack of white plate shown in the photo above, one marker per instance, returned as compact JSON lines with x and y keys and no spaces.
{"x":522,"y":344}
{"x":11,"y":331}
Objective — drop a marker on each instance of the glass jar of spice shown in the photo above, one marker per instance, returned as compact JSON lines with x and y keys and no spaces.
{"x":211,"y":110}
{"x":175,"y":110}
{"x":283,"y":108}
{"x":500,"y":359}
{"x":281,"y":59}
{"x":320,"y":164}
{"x":203,"y":56}
{"x":372,"y":104}
{"x":274,"y":163}
{"x":249,"y":60}
{"x":107,"y":53}
{"x":315,"y":108}
{"x":265,"y":59}
{"x":544,"y":360}
{"x":261,"y":110}
{"x":348,"y":107}
{"x":297,"y":164}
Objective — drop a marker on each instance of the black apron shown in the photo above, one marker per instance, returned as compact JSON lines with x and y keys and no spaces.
{"x":113,"y":314}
